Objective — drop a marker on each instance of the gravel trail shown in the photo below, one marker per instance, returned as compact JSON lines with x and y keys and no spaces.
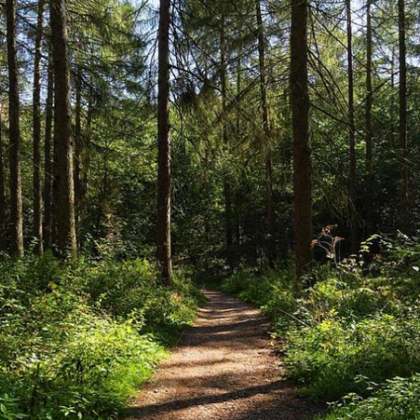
{"x":222,"y":369}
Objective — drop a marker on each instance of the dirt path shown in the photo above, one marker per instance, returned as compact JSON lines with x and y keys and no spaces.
{"x":223,"y":369}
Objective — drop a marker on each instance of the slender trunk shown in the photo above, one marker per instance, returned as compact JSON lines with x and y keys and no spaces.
{"x":393,"y":116}
{"x":37,"y":184}
{"x":207,"y":225}
{"x":226,"y":183}
{"x":238,"y":91}
{"x":271,"y":215}
{"x":369,"y":137}
{"x":14,"y":135}
{"x":85,"y":159}
{"x":207,"y":171}
{"x":352,"y":131}
{"x":63,"y":188}
{"x":393,"y":73}
{"x":102,"y":220}
{"x":404,"y":174}
{"x":3,"y":244}
{"x":238,"y":195}
{"x":164,"y":244}
{"x":78,"y":144}
{"x":302,"y":179}
{"x":48,"y":156}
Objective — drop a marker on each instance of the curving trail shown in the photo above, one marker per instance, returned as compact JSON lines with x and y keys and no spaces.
{"x":223,"y":369}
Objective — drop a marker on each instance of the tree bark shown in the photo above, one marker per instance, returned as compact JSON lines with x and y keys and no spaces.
{"x":37,"y":184}
{"x":3,"y":225}
{"x":78,"y":144}
{"x":226,"y":184}
{"x":238,"y":195}
{"x":369,"y":137}
{"x":16,"y":217}
{"x":302,"y":166}
{"x":48,"y":157}
{"x":404,"y":171}
{"x":352,"y":131}
{"x":85,"y":157}
{"x":63,"y":188}
{"x":164,"y":244}
{"x":271,"y":215}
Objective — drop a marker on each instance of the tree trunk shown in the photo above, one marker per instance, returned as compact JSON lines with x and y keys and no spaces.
{"x":78,"y":144}
{"x":271,"y":215}
{"x":14,"y":135}
{"x":85,"y":157}
{"x":352,"y":131}
{"x":226,"y":184}
{"x":164,"y":245}
{"x":48,"y":156}
{"x":394,"y":111}
{"x":238,"y":195}
{"x":302,"y":179}
{"x":404,"y":174}
{"x":37,"y":186}
{"x":3,"y":243}
{"x":63,"y":188}
{"x":369,"y":137}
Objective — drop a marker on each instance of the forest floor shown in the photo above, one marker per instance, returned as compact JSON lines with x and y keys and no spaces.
{"x":223,"y":369}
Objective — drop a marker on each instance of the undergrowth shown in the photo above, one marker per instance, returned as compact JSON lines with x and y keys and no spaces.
{"x":78,"y":339}
{"x":354,"y":336}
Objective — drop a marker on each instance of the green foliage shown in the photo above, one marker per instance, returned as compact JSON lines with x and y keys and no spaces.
{"x":271,"y":290}
{"x":77,"y":340}
{"x":398,"y":400}
{"x":239,"y":282}
{"x":360,"y":320}
{"x":133,"y":288}
{"x":332,"y":354}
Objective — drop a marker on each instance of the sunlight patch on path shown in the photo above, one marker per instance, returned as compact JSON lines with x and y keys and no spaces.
{"x":223,"y":369}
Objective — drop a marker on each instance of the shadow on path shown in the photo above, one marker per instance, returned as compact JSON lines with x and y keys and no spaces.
{"x":223,"y":369}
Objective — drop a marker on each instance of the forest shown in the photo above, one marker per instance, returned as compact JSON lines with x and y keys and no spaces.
{"x":209,"y":209}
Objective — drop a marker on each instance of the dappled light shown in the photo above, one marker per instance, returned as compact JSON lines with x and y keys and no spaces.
{"x":223,"y":368}
{"x":210,"y":210}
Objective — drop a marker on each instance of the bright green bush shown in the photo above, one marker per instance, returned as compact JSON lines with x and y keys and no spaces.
{"x":133,"y":288}
{"x":90,"y":374}
{"x":330,"y":355}
{"x":398,"y":400}
{"x":345,"y":297}
{"x":73,"y":345}
{"x":272,"y":291}
{"x":359,"y":320}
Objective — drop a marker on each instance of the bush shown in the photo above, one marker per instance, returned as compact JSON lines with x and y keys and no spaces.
{"x":238,"y":282}
{"x":332,"y":354}
{"x":272,"y":291}
{"x":133,"y":288}
{"x":73,"y":345}
{"x":398,"y":400}
{"x":358,"y":320}
{"x":90,"y":374}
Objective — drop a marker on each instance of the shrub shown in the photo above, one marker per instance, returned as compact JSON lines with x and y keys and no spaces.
{"x":238,"y":282}
{"x":90,"y":374}
{"x":397,"y":400}
{"x":332,"y":354}
{"x":78,"y":339}
{"x":357,"y":320}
